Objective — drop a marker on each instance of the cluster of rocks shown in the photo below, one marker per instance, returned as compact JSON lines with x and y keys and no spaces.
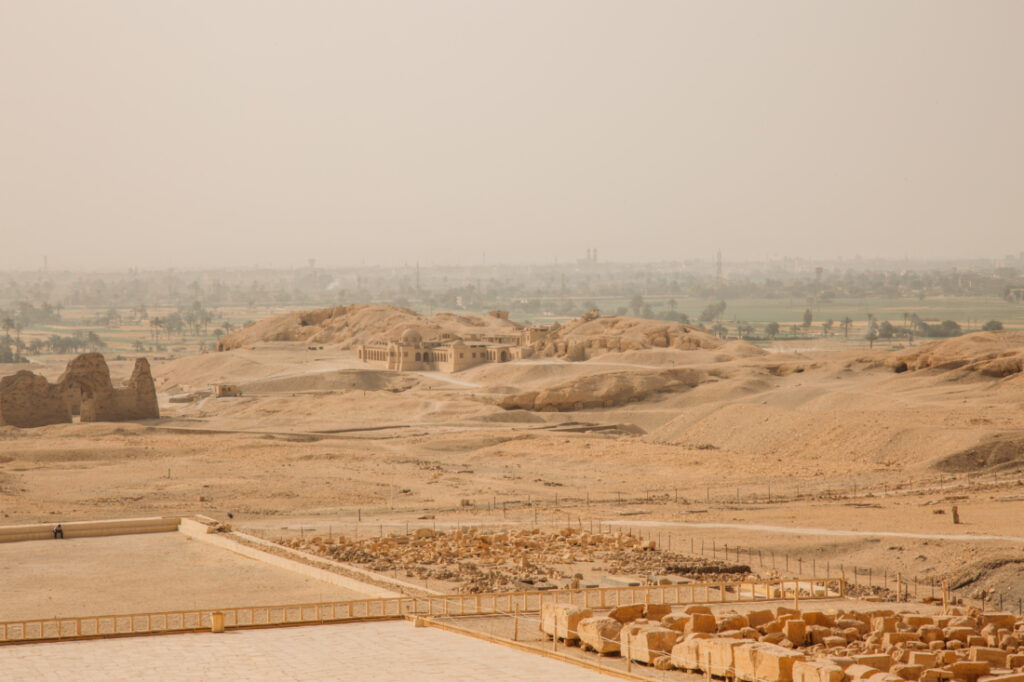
{"x":785,"y":645}
{"x":494,"y":561}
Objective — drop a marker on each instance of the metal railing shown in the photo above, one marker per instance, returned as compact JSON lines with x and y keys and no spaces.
{"x":449,"y":605}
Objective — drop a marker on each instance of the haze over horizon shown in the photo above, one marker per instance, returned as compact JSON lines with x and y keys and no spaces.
{"x":234,"y":133}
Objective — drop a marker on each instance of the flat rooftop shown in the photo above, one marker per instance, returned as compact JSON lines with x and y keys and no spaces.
{"x":393,"y":650}
{"x":152,"y":572}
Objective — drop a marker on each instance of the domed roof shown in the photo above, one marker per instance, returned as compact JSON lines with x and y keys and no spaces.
{"x":410,"y":335}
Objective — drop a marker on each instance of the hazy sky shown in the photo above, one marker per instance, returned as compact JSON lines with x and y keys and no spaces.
{"x":236,"y":132}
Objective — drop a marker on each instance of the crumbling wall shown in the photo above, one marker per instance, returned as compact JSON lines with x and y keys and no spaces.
{"x":29,"y":400}
{"x":101,"y":402}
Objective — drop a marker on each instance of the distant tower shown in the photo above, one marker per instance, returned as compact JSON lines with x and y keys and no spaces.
{"x":595,"y":255}
{"x":417,"y":277}
{"x":718,"y":266}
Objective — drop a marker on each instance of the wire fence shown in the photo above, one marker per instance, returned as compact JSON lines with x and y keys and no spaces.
{"x":450,"y":605}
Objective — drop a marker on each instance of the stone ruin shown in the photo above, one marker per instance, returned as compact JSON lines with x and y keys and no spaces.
{"x":28,"y":400}
{"x":787,"y":645}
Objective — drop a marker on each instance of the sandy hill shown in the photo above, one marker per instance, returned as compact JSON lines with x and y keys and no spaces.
{"x":349,"y":325}
{"x":589,"y":335}
{"x":992,"y":354}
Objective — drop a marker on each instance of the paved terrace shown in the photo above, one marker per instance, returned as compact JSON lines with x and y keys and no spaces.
{"x":355,"y":651}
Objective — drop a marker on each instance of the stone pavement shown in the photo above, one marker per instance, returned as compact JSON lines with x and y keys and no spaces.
{"x":393,"y":650}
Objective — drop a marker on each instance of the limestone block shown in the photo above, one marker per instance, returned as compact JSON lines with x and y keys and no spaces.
{"x":922,"y":658}
{"x":877,"y":661}
{"x":882,"y":624}
{"x":915,"y":620}
{"x":686,"y":655}
{"x":561,"y":620}
{"x":675,"y":622}
{"x":758,"y":662}
{"x":696,"y":608}
{"x":1001,"y":619}
{"x":891,"y":639}
{"x":1015,"y":661}
{"x":756,"y":619}
{"x":846,"y":623}
{"x":653,"y":612}
{"x":907,"y":671}
{"x":816,"y":634}
{"x":816,"y":671}
{"x":851,"y":634}
{"x":600,"y":634}
{"x":644,"y":643}
{"x":937,"y":645}
{"x":750,"y":633}
{"x":627,"y":613}
{"x":772,"y":637}
{"x":930,"y":633}
{"x":833,"y":642}
{"x":771,"y":626}
{"x":818,"y":618}
{"x":784,"y":611}
{"x":732,"y":621}
{"x":996,"y":657}
{"x":717,"y":655}
{"x":977,"y":640}
{"x":663,"y":663}
{"x":701,"y":622}
{"x":969,"y":670}
{"x":1009,"y":677}
{"x":959,"y":633}
{"x":936,"y":675}
{"x":858,"y":671}
{"x":795,"y":631}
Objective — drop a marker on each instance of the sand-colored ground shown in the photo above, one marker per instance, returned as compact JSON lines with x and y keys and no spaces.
{"x":838,"y":439}
{"x":140,"y":574}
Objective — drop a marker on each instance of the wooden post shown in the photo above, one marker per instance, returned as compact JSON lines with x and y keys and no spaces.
{"x":515,"y":625}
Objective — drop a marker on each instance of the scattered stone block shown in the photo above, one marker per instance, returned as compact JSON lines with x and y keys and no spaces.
{"x":716,"y":655}
{"x":969,"y":670}
{"x":644,"y":643}
{"x":859,"y":671}
{"x":701,"y":622}
{"x":653,"y":612}
{"x":1001,"y":619}
{"x":627,"y":613}
{"x":816,"y":671}
{"x":795,"y":631}
{"x":876,"y":661}
{"x":907,"y":671}
{"x":936,"y":675}
{"x":996,"y":657}
{"x":675,"y":622}
{"x":922,"y":658}
{"x":756,"y":619}
{"x":600,"y":634}
{"x":663,"y":663}
{"x":561,"y":620}
{"x":686,"y":655}
{"x":891,"y":639}
{"x":883,"y":624}
{"x":758,"y":661}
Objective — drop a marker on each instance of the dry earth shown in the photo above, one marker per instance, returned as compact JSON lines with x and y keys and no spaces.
{"x":784,"y":451}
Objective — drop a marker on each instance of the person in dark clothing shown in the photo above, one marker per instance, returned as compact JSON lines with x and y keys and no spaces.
{"x":58,"y":532}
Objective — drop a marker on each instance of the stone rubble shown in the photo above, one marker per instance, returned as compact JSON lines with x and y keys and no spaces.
{"x":785,"y":645}
{"x":481,"y":560}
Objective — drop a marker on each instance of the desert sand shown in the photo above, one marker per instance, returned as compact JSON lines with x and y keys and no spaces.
{"x":848,"y":458}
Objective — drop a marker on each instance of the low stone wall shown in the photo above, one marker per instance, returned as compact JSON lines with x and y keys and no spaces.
{"x":89,"y":529}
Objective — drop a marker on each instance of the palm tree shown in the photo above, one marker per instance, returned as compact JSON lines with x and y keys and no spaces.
{"x":846,"y":326}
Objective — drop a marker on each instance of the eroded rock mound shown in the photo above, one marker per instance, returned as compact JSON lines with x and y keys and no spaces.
{"x":350,"y":325}
{"x":588,"y":335}
{"x":991,"y":354}
{"x":602,"y":390}
{"x":29,"y":400}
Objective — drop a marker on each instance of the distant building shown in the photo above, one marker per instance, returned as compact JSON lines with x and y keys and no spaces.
{"x":412,"y":353}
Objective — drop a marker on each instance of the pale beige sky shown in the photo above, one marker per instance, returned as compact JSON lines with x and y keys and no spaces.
{"x":239,"y":132}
